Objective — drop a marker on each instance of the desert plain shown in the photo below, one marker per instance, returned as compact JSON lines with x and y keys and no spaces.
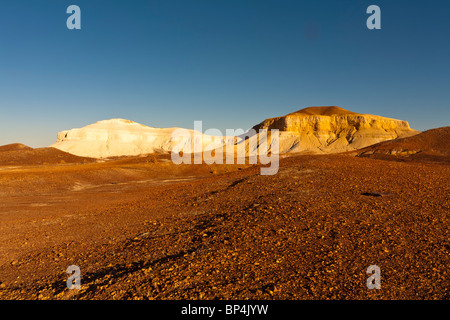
{"x":141,"y":227}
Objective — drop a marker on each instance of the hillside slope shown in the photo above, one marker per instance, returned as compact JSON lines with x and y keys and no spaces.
{"x":18,"y":154}
{"x":431,"y":145}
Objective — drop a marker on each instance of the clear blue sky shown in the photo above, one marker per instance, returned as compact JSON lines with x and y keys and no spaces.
{"x":230,"y":63}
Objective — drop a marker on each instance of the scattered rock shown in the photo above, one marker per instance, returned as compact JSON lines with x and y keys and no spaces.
{"x":376,"y":194}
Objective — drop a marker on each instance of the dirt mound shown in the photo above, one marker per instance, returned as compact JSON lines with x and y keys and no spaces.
{"x":17,"y":154}
{"x":433,"y":144}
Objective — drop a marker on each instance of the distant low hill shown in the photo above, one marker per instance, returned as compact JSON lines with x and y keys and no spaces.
{"x":432,"y":145}
{"x":14,"y":147}
{"x":19,"y":154}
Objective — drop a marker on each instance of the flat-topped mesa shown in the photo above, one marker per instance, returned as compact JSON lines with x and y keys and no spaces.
{"x":333,"y":129}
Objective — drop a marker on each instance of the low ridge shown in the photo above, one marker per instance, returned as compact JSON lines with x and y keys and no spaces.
{"x":14,"y":147}
{"x":433,"y":145}
{"x":29,"y":156}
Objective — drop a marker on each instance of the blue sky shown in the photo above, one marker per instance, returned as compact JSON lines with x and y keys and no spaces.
{"x":229,"y":63}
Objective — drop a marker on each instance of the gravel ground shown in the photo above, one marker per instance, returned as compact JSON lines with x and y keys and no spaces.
{"x":308,"y":232}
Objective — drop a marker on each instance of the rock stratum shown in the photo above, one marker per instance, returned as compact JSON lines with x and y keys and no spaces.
{"x":312,"y":130}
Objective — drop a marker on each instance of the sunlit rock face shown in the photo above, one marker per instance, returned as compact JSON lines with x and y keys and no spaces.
{"x":333,"y":129}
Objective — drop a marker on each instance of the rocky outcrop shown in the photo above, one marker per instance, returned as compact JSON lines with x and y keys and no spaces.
{"x":333,"y":129}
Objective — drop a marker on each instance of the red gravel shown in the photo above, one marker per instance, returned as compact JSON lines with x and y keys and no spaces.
{"x":309,"y":232}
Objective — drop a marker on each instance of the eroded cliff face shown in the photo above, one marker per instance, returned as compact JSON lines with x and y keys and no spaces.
{"x":333,"y":129}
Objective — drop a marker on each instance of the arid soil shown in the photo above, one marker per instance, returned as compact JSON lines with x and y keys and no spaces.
{"x":144,"y":228}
